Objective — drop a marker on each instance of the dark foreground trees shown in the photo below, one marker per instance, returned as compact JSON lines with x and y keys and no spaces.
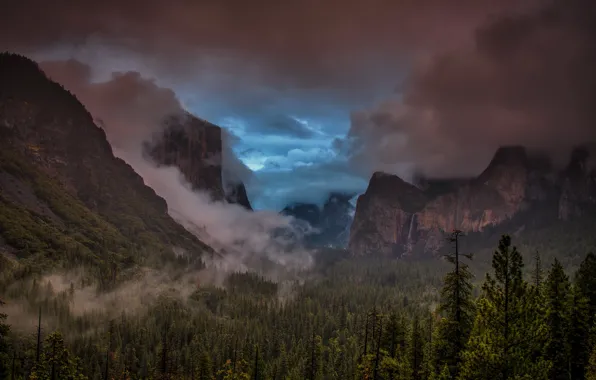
{"x":363,"y":321}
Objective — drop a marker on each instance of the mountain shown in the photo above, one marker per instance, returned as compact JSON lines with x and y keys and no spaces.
{"x":517,"y":189}
{"x":331,"y":223}
{"x":195,"y":147}
{"x":64,"y":197}
{"x":236,"y":193}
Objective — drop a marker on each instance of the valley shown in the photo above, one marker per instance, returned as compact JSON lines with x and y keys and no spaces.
{"x":156,"y":266}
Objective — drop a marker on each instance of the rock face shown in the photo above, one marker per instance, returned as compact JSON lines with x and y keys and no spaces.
{"x":63,"y":194}
{"x":396,"y":218}
{"x":578,"y":184}
{"x":195,"y":147}
{"x":331,"y":223}
{"x":236,"y":193}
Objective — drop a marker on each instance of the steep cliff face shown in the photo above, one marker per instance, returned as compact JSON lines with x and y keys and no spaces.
{"x":393,"y":222}
{"x":331,"y":222}
{"x":63,"y":193}
{"x":236,"y":193}
{"x":384,"y":222}
{"x":195,"y":147}
{"x":578,"y":184}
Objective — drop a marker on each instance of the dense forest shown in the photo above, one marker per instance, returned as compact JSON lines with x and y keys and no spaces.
{"x":347,"y":319}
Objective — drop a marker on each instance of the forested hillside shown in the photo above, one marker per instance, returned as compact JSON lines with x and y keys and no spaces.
{"x":65,"y":199}
{"x":351,"y":319}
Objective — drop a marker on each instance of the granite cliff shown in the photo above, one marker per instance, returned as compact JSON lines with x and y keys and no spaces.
{"x":397,"y":218}
{"x":195,"y":147}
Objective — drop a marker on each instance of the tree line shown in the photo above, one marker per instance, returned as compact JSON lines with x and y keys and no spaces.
{"x":355,"y":323}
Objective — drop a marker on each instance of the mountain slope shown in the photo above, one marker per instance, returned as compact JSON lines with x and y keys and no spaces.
{"x":64,"y":197}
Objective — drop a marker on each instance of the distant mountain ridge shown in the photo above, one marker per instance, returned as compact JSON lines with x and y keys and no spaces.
{"x":331,"y":222}
{"x":397,"y":218}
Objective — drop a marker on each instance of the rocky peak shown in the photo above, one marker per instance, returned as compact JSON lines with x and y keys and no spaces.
{"x":505,"y":161}
{"x":236,"y":193}
{"x":578,"y":183}
{"x":194,"y":146}
{"x":394,"y":189}
{"x":582,"y":161}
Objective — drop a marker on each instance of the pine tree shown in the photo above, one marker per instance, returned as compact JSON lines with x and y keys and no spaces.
{"x":585,"y":280}
{"x":457,"y":307}
{"x":579,"y":334}
{"x":4,"y":357}
{"x":537,"y":274}
{"x":56,"y":362}
{"x":445,"y":374}
{"x":416,"y":349}
{"x":557,"y":348}
{"x":502,"y":342}
{"x":591,"y":368}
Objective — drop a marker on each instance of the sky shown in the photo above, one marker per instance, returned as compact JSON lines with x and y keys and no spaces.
{"x":317,"y":95}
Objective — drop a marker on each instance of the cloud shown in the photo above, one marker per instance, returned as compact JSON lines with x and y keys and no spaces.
{"x":307,"y":183}
{"x":308,"y":42}
{"x":453,"y":87}
{"x":132,"y":109}
{"x":524,"y":79}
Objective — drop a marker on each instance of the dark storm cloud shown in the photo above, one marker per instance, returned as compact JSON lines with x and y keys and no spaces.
{"x":527,"y":79}
{"x":310,"y":42}
{"x":463,"y":86}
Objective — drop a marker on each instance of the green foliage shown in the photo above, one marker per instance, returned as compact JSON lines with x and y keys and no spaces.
{"x":4,"y":348}
{"x":57,"y":362}
{"x":585,"y":280}
{"x":68,"y":234}
{"x":367,"y":324}
{"x":591,"y":367}
{"x":579,"y":334}
{"x":557,"y":319}
{"x":457,"y":308}
{"x":507,"y":328}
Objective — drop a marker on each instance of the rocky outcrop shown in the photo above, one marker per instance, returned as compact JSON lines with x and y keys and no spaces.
{"x":194,"y":146}
{"x":578,"y":184}
{"x":236,"y":193}
{"x":329,"y":225}
{"x":396,"y":218}
{"x":384,"y":220}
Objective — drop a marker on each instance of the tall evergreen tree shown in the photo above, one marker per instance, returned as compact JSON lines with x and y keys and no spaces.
{"x":591,"y":368}
{"x":416,"y":349}
{"x":538,"y":273}
{"x":585,"y":280}
{"x":557,"y":348}
{"x":457,"y":308}
{"x":502,"y":342}
{"x":56,"y":362}
{"x":579,"y":334}
{"x":4,"y":358}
